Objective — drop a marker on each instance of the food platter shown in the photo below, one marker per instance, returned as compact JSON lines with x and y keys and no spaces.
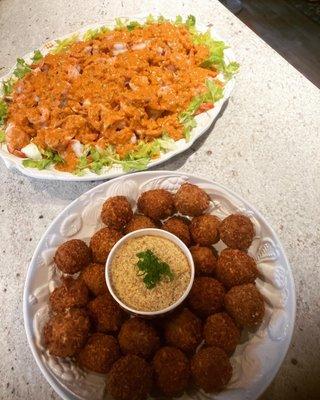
{"x":255,"y":361}
{"x":204,"y":122}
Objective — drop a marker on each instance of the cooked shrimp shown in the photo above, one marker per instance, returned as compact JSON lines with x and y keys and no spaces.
{"x":16,"y":139}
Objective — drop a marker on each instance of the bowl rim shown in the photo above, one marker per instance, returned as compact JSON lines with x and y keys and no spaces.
{"x":149,"y":232}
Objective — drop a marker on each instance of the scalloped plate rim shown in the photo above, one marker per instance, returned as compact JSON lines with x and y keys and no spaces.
{"x":56,"y":385}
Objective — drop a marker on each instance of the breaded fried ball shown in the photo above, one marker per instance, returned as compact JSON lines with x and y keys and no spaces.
{"x":191,"y":200}
{"x":205,"y":229}
{"x":72,"y":293}
{"x":172,"y":371}
{"x":156,"y":204}
{"x":94,"y":277}
{"x":130,"y":378}
{"x":221,"y":331}
{"x":235,"y":267}
{"x":102,"y":242}
{"x":205,"y":260}
{"x":99,"y":354}
{"x":106,"y":313}
{"x":245,"y":305}
{"x":206,"y":296}
{"x":66,"y":333}
{"x":237,"y":231}
{"x":183,"y":330}
{"x":72,"y":256}
{"x":180,"y":227}
{"x":139,"y":221}
{"x":116,"y":212}
{"x":138,"y":337}
{"x":211,"y":369}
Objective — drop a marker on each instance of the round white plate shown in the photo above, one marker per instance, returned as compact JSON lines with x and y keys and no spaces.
{"x":255,"y":361}
{"x":204,"y":121}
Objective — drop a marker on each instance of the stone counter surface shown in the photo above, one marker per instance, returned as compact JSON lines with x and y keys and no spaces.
{"x":265,"y":147}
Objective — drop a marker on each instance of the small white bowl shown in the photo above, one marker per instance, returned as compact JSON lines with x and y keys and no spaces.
{"x":149,"y":232}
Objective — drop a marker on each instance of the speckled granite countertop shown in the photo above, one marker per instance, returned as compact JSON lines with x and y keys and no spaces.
{"x":265,"y":147}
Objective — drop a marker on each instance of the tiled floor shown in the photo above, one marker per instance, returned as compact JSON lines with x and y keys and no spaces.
{"x":288,"y":31}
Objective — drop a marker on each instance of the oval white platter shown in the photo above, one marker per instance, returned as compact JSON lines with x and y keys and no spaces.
{"x":204,"y":120}
{"x":255,"y":361}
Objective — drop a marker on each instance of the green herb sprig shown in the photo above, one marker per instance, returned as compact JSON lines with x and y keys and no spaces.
{"x":152,"y":269}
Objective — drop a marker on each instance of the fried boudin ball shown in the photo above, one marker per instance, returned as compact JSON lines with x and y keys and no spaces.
{"x":156,"y":204}
{"x":66,"y":333}
{"x":237,"y":231}
{"x":138,"y":337}
{"x":139,"y":222}
{"x":116,"y":212}
{"x":235,"y":267}
{"x":171,"y":370}
{"x":94,"y":277}
{"x":180,"y":227}
{"x":245,"y":305}
{"x":102,"y":242}
{"x":72,"y":293}
{"x":106,"y":313}
{"x":130,"y":378}
{"x":221,"y":331}
{"x":205,"y":260}
{"x":211,"y":369}
{"x":99,"y":354}
{"x":191,"y":200}
{"x":206,"y":296}
{"x":183,"y":330}
{"x":205,"y":229}
{"x":72,"y":256}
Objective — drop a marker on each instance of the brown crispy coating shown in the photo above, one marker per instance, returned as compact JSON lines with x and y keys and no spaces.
{"x":99,"y":354}
{"x":171,"y":370}
{"x":116,"y":212}
{"x":130,"y":378}
{"x":206,"y":296}
{"x":156,"y":204}
{"x":183,"y":330}
{"x":94,"y":277}
{"x":139,"y":221}
{"x":245,"y":305}
{"x":205,"y":260}
{"x":191,"y":200}
{"x":205,"y":229}
{"x":180,"y":227}
{"x":221,"y":331}
{"x":237,"y":231}
{"x":137,"y":337}
{"x":72,"y":256}
{"x":106,"y":313}
{"x":211,"y":369}
{"x":102,"y":242}
{"x":67,"y":332}
{"x":72,"y":293}
{"x":236,"y":267}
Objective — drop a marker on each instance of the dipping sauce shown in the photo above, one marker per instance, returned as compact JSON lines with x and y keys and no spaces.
{"x":127,"y":281}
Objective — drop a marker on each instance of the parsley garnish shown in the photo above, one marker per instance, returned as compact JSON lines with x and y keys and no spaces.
{"x":152,"y":268}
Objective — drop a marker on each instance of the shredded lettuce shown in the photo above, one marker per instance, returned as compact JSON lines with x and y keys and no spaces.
{"x":37,"y":56}
{"x":2,"y":136}
{"x":133,"y":25}
{"x":49,"y":157}
{"x":91,"y":34}
{"x":3,"y":111}
{"x":22,"y":68}
{"x":231,"y":69}
{"x":190,"y":22}
{"x":7,"y":86}
{"x":178,"y":20}
{"x":120,"y":24}
{"x":63,"y":45}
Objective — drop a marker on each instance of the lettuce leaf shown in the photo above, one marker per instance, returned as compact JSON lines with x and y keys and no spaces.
{"x":3,"y":111}
{"x":133,"y":25}
{"x":22,"y":68}
{"x":49,"y":157}
{"x":190,"y":22}
{"x":2,"y":136}
{"x":91,"y":34}
{"x":120,"y":24}
{"x":7,"y":86}
{"x":63,"y":45}
{"x":37,"y":56}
